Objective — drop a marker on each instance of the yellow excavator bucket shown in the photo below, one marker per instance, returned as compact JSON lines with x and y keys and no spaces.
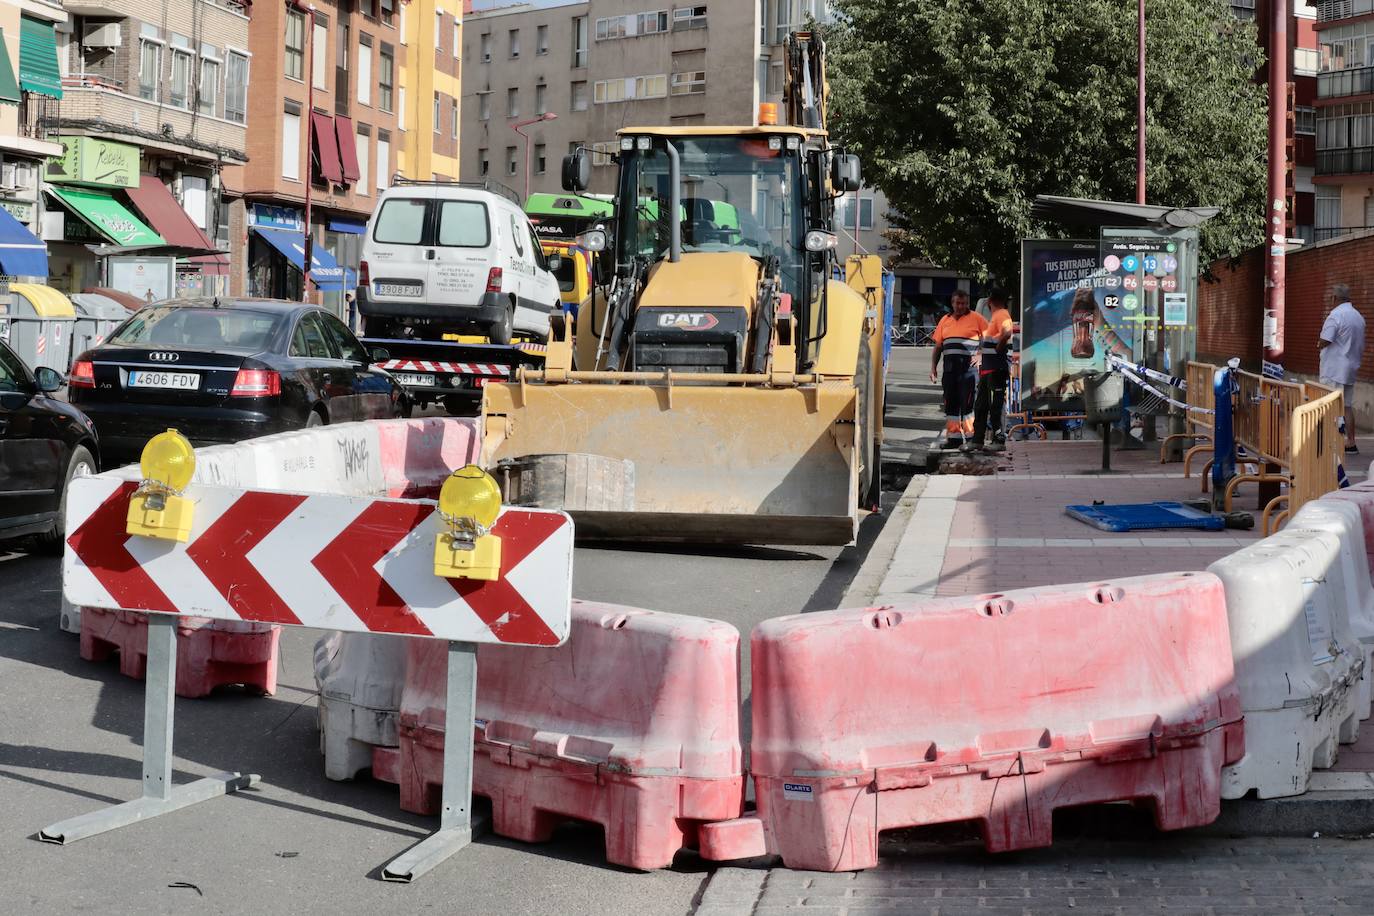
{"x":710,"y":463}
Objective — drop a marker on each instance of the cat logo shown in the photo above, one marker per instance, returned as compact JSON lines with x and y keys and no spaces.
{"x":688,"y":321}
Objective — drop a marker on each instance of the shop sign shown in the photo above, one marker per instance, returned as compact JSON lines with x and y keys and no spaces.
{"x":95,"y":162}
{"x":270,"y":217}
{"x":21,"y":210}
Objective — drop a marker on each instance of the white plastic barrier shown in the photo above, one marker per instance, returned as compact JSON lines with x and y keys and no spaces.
{"x":1298,"y":664}
{"x":360,"y":677}
{"x":1343,"y":519}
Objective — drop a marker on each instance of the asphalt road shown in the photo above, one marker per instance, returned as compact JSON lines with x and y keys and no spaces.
{"x":70,"y":735}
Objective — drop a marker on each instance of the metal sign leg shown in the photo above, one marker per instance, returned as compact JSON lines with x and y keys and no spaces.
{"x":456,"y":828}
{"x":159,"y":796}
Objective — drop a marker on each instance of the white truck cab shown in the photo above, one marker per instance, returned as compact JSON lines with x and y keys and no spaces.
{"x":444,"y":258}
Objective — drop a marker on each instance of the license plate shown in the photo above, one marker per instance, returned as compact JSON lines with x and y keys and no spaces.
{"x":399,"y":289}
{"x":408,"y":378}
{"x":188,"y":381}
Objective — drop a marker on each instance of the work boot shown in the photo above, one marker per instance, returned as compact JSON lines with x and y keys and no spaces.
{"x":999,"y":440}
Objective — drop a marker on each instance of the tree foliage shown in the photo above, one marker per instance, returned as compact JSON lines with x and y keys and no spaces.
{"x":965,"y":110}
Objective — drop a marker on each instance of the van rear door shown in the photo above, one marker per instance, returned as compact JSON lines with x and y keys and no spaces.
{"x":399,"y":254}
{"x":463,"y":246}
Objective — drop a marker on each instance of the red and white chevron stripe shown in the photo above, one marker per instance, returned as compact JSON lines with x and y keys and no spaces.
{"x":334,"y":562}
{"x":425,"y":365}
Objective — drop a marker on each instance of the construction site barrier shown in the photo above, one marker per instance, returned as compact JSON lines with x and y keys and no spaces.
{"x":1316,"y":449}
{"x":1297,"y":661}
{"x":995,"y":709}
{"x":359,"y":677}
{"x":1198,"y":419}
{"x":632,"y":724}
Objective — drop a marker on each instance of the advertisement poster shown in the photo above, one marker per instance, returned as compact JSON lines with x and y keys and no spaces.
{"x":1072,"y":314}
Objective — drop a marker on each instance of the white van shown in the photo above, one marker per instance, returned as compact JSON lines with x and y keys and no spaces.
{"x":453,"y":258}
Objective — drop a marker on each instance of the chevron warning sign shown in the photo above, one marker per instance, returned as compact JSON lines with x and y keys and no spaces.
{"x":335,"y":562}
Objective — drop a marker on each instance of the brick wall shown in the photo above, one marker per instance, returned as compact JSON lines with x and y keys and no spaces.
{"x":1231,"y":309}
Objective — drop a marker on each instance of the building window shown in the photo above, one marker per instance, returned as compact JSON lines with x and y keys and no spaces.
{"x":689,"y":17}
{"x":609,"y":91}
{"x":180,"y":96}
{"x":1327,"y":210}
{"x":540,"y":91}
{"x":457,"y":36}
{"x":540,"y":158}
{"x":319,"y":59}
{"x":650,"y":23}
{"x":541,"y":40}
{"x":195,"y":200}
{"x":483,"y":166}
{"x":514,"y":43}
{"x":603,"y":154}
{"x":386,"y":78}
{"x":486,"y":48}
{"x":1306,"y":61}
{"x":574,"y":146}
{"x":383,"y":161}
{"x":579,"y":96}
{"x":484,"y":106}
{"x":439,"y":30}
{"x":512,"y":103}
{"x":844,"y":212}
{"x":365,"y":69}
{"x":453,"y":113}
{"x":291,"y":146}
{"x":651,"y":87}
{"x":388,"y":7}
{"x":345,"y":40}
{"x":208,"y":93}
{"x":510,"y":160}
{"x":364,"y":150}
{"x":295,"y":44}
{"x":405,"y":24}
{"x":149,"y":69}
{"x":236,"y":88}
{"x":610,"y":28}
{"x":436,"y":112}
{"x":401,"y":105}
{"x":579,"y":40}
{"x":689,"y":83}
{"x":1305,"y":119}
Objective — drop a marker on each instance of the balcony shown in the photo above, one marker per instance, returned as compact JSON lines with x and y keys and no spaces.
{"x":1322,"y":235}
{"x":1354,"y":160}
{"x":38,"y":118}
{"x":1335,"y":84}
{"x":1335,"y":10}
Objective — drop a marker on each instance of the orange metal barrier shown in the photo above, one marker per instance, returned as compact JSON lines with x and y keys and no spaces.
{"x":1263,"y":425}
{"x":1316,"y":450}
{"x":1197,"y":425}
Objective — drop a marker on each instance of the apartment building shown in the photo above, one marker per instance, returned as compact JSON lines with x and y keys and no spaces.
{"x":428,"y":106}
{"x":323,"y":131}
{"x":1344,"y":118}
{"x":153,"y":110}
{"x":29,"y":93}
{"x":542,"y":79}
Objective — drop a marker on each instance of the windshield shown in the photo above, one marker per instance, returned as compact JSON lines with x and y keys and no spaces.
{"x":738,"y":194}
{"x":199,"y":328}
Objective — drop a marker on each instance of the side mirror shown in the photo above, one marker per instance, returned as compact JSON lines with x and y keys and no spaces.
{"x":49,"y":380}
{"x":554,"y":262}
{"x":577,"y":171}
{"x":379,"y":354}
{"x":845,"y":174}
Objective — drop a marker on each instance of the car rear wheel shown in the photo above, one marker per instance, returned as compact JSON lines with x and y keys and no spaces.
{"x":500,"y":331}
{"x":80,"y":465}
{"x":316,"y":418}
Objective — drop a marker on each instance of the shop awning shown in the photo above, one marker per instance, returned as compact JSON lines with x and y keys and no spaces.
{"x":38,"y":70}
{"x":22,"y":254}
{"x":348,"y":226}
{"x":172,"y":222}
{"x":324,"y":270}
{"x":348,"y":148}
{"x":325,"y":146}
{"x":107,"y":216}
{"x":9,"y":86}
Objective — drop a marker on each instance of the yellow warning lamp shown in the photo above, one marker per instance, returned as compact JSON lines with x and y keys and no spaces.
{"x":469,"y":502}
{"x":157,"y":508}
{"x":768,"y":114}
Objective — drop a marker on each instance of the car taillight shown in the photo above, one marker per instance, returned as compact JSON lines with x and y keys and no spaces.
{"x":364,"y":274}
{"x":82,"y":374}
{"x":494,"y":280}
{"x":256,"y":383}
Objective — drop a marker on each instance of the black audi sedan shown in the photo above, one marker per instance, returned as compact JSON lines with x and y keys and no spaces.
{"x":223,"y":370}
{"x":44,"y":443}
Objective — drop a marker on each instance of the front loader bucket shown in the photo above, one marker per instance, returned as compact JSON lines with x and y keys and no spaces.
{"x":711,"y":463}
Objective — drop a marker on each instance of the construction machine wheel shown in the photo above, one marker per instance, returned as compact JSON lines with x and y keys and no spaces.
{"x":869,"y":452}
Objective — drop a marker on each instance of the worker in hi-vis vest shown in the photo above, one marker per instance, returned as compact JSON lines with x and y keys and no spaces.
{"x":957,"y":338}
{"x":994,"y":373}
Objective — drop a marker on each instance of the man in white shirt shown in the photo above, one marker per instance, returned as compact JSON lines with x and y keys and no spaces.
{"x":1341,"y":348}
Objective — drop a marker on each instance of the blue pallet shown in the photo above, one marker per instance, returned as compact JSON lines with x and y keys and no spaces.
{"x":1145,"y":516}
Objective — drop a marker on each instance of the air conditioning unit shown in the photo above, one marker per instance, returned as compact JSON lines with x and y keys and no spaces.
{"x":102,"y":35}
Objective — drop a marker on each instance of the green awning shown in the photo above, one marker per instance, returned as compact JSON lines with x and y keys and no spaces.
{"x":38,"y":70}
{"x":9,"y":86}
{"x":107,"y":216}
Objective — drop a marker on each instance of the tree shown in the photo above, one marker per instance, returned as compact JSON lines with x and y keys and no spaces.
{"x":964,"y":110}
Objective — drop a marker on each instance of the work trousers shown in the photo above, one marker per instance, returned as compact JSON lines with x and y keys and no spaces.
{"x":992,"y":396}
{"x":960,"y":388}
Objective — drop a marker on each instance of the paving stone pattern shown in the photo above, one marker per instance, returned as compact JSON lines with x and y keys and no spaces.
{"x":1168,"y":874}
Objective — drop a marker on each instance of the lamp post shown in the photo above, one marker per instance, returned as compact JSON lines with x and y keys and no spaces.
{"x":1140,"y":103}
{"x":309,"y":39}
{"x":546,"y":116}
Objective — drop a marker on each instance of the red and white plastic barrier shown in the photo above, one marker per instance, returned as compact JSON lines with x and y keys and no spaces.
{"x":632,"y":724}
{"x":996,"y":709}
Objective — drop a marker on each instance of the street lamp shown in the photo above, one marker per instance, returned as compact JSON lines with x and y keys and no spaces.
{"x":546,"y":116}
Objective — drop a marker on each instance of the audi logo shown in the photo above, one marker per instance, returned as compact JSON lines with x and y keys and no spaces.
{"x":164,"y":357}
